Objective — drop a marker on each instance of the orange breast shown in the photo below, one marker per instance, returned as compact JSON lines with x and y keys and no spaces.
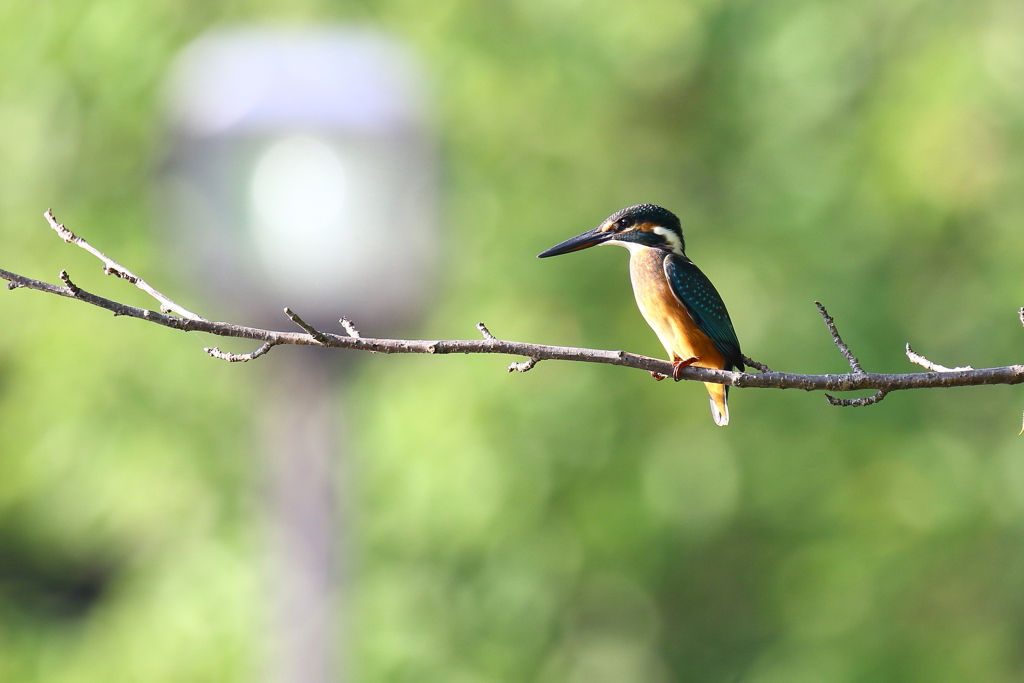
{"x":668,"y":318}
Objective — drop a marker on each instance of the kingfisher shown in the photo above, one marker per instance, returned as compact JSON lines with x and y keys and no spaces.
{"x":676,"y":299}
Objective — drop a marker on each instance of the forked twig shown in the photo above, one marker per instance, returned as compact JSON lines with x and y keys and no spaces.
{"x":112,"y":267}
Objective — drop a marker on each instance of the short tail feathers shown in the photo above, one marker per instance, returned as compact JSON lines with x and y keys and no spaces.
{"x":719,"y":403}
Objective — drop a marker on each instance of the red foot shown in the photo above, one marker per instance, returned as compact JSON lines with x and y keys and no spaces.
{"x":658,"y":376}
{"x":678,"y":365}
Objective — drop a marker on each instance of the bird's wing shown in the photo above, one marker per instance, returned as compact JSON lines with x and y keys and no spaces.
{"x":701,"y":300}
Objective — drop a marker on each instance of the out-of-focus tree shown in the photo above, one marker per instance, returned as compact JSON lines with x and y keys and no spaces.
{"x":574,"y":523}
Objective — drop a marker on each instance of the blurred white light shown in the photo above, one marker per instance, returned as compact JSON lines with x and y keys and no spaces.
{"x":304,"y":174}
{"x":297,"y":195}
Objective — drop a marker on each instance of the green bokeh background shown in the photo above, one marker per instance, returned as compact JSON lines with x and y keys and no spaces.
{"x":576,"y":523}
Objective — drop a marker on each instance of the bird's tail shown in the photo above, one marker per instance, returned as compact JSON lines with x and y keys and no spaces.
{"x":719,"y":403}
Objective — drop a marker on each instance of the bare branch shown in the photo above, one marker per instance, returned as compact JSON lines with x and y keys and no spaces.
{"x":349,"y":328}
{"x":843,"y":348}
{"x":534,"y":353}
{"x":525,"y":366}
{"x":1010,"y":374}
{"x":927,"y":364}
{"x":1020,"y":314}
{"x":240,"y":357}
{"x":111,"y":267}
{"x":858,"y":402}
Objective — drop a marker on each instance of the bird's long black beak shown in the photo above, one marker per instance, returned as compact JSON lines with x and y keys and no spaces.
{"x":587,"y":239}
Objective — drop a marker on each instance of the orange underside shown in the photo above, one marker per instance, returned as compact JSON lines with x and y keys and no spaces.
{"x":668,"y":318}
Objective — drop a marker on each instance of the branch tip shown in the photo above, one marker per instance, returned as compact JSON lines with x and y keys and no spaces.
{"x":349,"y":327}
{"x":486,"y":332}
{"x":525,"y":366}
{"x":59,"y":228}
{"x":75,"y":290}
{"x":918,"y":359}
{"x":840,"y":344}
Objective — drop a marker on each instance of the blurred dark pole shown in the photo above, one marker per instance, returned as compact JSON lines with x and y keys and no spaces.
{"x":301,"y":439}
{"x":302,"y":174}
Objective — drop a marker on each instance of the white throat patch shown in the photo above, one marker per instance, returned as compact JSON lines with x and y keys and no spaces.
{"x":632,"y":246}
{"x":672,"y":239}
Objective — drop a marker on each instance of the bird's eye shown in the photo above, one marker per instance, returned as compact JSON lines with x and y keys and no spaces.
{"x":623,"y":224}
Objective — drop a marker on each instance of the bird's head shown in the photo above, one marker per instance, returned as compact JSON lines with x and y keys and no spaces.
{"x":643,"y":225}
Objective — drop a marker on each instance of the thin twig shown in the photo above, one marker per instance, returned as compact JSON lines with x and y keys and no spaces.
{"x":67,"y":282}
{"x":112,"y":267}
{"x":525,"y":366}
{"x":843,"y":348}
{"x":240,"y":357}
{"x":485,"y":332}
{"x":761,"y":367}
{"x":349,"y":328}
{"x":918,"y":359}
{"x":857,"y":402}
{"x":313,"y":332}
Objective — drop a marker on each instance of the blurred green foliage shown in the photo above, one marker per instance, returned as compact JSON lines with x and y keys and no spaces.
{"x":575,"y":523}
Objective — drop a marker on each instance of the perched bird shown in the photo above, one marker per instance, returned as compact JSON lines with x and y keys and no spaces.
{"x":676,"y":299}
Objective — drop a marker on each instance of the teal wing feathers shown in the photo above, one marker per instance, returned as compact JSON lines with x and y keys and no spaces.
{"x":701,"y":300}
